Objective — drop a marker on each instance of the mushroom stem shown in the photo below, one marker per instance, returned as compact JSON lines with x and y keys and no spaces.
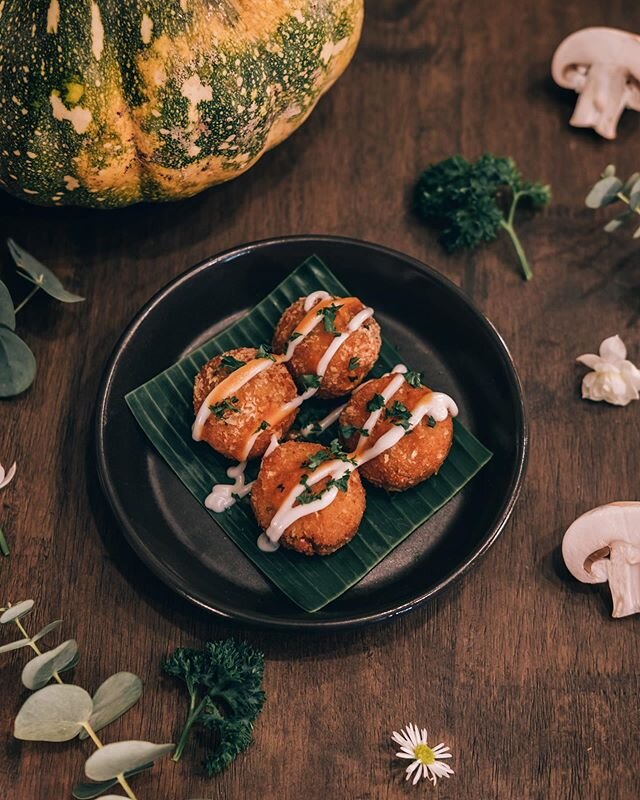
{"x":602,"y":99}
{"x":622,"y":570}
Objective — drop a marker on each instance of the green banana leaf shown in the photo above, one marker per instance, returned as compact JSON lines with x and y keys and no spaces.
{"x":163,"y":408}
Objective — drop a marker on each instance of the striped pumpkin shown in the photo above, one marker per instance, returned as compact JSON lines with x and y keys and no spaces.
{"x":106,"y":103}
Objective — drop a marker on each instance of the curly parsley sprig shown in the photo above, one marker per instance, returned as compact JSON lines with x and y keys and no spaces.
{"x":465,"y":200}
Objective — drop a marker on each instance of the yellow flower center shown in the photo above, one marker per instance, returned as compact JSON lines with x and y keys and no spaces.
{"x":424,"y":754}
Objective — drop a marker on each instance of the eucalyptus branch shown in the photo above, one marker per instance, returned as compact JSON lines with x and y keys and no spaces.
{"x":611,"y":189}
{"x":60,"y":712}
{"x":26,"y":299}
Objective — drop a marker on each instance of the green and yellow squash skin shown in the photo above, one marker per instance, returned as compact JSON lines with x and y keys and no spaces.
{"x":110,"y":102}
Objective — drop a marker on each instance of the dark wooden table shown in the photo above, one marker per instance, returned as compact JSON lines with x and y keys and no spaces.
{"x":519,"y":669}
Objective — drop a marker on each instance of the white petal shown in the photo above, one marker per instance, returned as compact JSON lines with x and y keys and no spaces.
{"x":589,"y":360}
{"x":407,"y":749}
{"x":412,"y":736}
{"x":405,"y":755}
{"x":613,"y":349}
{"x":411,"y":768}
{"x":399,"y":739}
{"x":416,"y":777}
{"x":5,"y":479}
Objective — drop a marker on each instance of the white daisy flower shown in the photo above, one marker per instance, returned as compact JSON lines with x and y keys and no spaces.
{"x":426,"y":762}
{"x":7,"y":477}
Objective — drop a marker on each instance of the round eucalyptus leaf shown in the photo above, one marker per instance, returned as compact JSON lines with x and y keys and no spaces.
{"x":114,"y":697}
{"x":17,"y":611}
{"x":17,"y":364}
{"x":604,"y":192}
{"x":114,"y":759}
{"x":89,"y":791}
{"x":54,"y":714}
{"x":614,"y":224}
{"x":15,"y":645}
{"x":39,"y":671}
{"x":112,"y":797}
{"x":52,"y":626}
{"x":71,"y":664}
{"x":610,"y":169}
{"x":634,"y":195}
{"x":40,"y":275}
{"x":7,"y":314}
{"x":629,"y":182}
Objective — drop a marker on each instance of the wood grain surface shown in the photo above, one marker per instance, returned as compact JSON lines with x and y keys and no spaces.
{"x":518,"y":668}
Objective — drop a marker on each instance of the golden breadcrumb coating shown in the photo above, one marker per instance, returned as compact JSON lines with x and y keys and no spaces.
{"x":259,"y":397}
{"x":339,"y":378}
{"x":416,"y":457}
{"x":321,"y":532}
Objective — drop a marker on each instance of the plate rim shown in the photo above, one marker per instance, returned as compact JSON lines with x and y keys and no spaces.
{"x":257,"y":619}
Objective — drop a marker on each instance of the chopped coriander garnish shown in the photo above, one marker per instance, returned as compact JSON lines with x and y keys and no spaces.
{"x":309,"y":381}
{"x":220,"y":409}
{"x":295,"y":335}
{"x":348,"y":431}
{"x":431,"y":422}
{"x":308,"y":495}
{"x":341,"y":483}
{"x":334,"y":451}
{"x":329,"y":315}
{"x":231,"y":363}
{"x":236,"y":496}
{"x":262,"y":426}
{"x":264,"y":351}
{"x":399,"y":414}
{"x":354,"y":362}
{"x":413,"y":378}
{"x":376,"y":402}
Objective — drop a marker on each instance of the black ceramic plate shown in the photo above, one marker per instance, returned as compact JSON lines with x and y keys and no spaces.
{"x":436,"y":329}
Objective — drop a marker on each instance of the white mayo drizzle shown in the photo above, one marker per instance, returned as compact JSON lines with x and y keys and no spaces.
{"x":434,"y":404}
{"x":221,"y":497}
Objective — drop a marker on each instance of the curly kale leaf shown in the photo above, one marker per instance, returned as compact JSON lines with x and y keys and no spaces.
{"x":224,"y":682}
{"x":465,"y":201}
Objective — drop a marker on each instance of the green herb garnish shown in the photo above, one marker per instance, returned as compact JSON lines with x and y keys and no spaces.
{"x":220,"y":409}
{"x":354,"y":362}
{"x":376,"y":402}
{"x":329,"y":318}
{"x":295,"y":335}
{"x":309,"y":381}
{"x":231,"y":363}
{"x":333,"y":452}
{"x":413,"y":378}
{"x":348,"y":431}
{"x":464,"y":200}
{"x":264,"y":351}
{"x":224,"y":682}
{"x":341,"y":483}
{"x":431,"y":422}
{"x":262,"y":426}
{"x":399,"y":414}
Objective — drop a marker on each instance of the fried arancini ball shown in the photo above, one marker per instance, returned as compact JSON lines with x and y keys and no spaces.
{"x":354,"y":359}
{"x":321,"y":532}
{"x":229,"y":430}
{"x":416,"y":457}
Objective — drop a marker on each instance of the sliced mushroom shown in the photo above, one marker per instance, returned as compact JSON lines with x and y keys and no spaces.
{"x":603,"y":66}
{"x":604,"y":545}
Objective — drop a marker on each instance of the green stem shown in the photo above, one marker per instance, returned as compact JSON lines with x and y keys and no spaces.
{"x":4,"y":547}
{"x":517,"y":244}
{"x":194,"y":713}
{"x":24,"y":302}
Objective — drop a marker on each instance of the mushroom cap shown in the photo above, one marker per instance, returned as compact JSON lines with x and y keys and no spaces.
{"x":595,"y":531}
{"x":595,"y":45}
